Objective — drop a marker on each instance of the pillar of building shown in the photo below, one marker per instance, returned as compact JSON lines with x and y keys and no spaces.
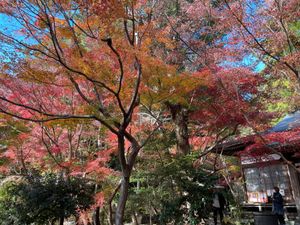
{"x":295,"y":184}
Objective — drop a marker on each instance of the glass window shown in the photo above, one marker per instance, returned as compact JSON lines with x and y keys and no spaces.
{"x":261,"y":180}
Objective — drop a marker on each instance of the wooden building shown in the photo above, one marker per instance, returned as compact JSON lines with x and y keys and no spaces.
{"x":270,"y":159}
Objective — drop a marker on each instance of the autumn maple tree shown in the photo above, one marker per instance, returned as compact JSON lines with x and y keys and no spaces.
{"x":215,"y":99}
{"x":270,"y":30}
{"x":84,"y":62}
{"x":81,"y":74}
{"x":79,"y":61}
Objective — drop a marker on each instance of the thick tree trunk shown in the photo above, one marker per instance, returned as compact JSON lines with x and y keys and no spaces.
{"x":182,"y":135}
{"x":122,"y":201}
{"x":127,"y":163}
{"x":180,"y":119}
{"x":96,"y":216}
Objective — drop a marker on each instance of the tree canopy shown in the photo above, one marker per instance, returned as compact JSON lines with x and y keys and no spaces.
{"x":101,"y":90}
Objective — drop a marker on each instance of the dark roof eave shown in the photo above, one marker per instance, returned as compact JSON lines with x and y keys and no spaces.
{"x":231,"y":148}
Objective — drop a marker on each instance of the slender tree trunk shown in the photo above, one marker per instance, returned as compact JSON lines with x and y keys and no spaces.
{"x":61,"y":220}
{"x":77,"y":220}
{"x":96,"y":216}
{"x":111,"y":221}
{"x":135,"y":219}
{"x":180,"y":119}
{"x":122,"y":201}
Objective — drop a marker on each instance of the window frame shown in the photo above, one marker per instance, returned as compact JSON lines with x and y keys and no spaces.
{"x":289,"y":198}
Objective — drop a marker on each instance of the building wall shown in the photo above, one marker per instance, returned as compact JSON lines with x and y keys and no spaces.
{"x":260,"y":179}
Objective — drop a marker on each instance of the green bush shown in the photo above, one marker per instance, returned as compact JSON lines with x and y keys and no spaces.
{"x":43,"y":199}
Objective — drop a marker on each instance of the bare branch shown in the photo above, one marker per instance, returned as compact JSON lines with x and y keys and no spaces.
{"x":109,"y":43}
{"x":259,"y":44}
{"x":134,"y":100}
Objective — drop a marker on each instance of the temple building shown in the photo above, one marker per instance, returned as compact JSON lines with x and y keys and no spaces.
{"x":270,"y":159}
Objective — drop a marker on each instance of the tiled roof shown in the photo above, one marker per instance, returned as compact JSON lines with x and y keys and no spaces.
{"x":289,"y":122}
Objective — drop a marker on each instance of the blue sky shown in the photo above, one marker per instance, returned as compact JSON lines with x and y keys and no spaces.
{"x":250,"y":60}
{"x":254,"y":62}
{"x":10,"y":26}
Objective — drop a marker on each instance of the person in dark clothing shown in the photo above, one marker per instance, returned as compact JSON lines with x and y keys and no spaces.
{"x":218,"y":205}
{"x":277,"y":207}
